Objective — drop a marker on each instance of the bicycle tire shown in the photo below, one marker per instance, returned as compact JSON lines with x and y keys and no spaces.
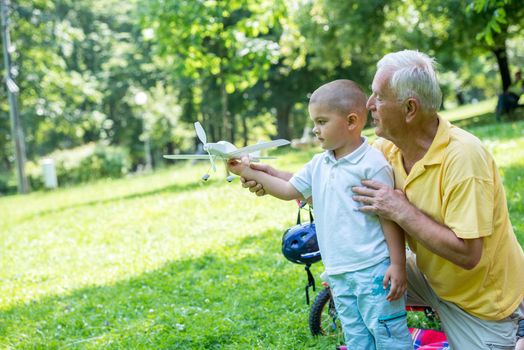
{"x":323,"y":318}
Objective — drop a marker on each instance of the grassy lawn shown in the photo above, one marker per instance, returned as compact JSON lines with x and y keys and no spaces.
{"x":165,"y":261}
{"x":471,"y":110}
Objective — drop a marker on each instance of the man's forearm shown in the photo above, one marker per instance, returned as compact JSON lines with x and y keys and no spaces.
{"x":440,"y":239}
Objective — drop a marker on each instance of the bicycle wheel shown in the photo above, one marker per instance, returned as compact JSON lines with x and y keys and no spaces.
{"x":323,"y":319}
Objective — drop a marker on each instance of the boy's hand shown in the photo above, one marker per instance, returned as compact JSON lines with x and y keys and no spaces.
{"x":256,"y":187}
{"x":396,"y":275}
{"x":252,"y":184}
{"x":238,"y":165}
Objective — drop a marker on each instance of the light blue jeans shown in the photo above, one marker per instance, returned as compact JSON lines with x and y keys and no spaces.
{"x":370,"y":322}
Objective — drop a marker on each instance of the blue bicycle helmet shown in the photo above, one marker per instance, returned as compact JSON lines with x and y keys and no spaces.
{"x":299,"y":244}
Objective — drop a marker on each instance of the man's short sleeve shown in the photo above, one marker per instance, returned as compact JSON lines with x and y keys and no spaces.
{"x":468,"y":208}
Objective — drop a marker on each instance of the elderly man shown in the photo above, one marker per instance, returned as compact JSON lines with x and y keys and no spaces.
{"x":450,"y":201}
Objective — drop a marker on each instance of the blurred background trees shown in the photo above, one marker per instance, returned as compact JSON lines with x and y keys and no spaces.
{"x":130,"y":77}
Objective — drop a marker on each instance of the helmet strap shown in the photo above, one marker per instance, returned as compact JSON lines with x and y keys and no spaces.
{"x":299,"y":219}
{"x":310,"y":278}
{"x":310,"y":282}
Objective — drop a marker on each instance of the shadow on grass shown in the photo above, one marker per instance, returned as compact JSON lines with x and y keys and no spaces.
{"x":486,"y":127}
{"x":176,"y":188}
{"x":478,"y":120}
{"x":486,"y":119}
{"x":241,"y":296}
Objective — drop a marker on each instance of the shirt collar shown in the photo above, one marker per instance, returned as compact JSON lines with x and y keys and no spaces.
{"x":352,"y":158}
{"x":440,"y":142}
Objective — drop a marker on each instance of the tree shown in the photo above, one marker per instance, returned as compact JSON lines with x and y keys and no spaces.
{"x":76,"y":63}
{"x":502,"y":19}
{"x":344,"y":36}
{"x":221,"y":46}
{"x":12,"y":91}
{"x":457,"y":35}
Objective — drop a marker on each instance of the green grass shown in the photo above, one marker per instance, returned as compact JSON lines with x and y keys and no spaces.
{"x":164,"y":261}
{"x":470,"y":111}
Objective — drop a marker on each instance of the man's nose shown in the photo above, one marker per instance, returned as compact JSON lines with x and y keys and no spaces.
{"x":370,"y":103}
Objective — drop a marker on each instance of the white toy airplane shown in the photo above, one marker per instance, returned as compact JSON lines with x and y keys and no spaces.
{"x":223,"y":150}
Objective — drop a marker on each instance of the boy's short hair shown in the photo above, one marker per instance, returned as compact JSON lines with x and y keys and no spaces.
{"x":343,"y":96}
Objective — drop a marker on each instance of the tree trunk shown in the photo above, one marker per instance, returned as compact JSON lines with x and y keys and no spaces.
{"x":226,"y":128}
{"x":502,"y":61}
{"x":212,"y":128}
{"x":233,"y":128}
{"x":283,"y":112}
{"x":170,"y":148}
{"x":244,"y":130}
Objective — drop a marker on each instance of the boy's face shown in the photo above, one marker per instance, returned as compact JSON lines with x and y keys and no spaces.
{"x":331,"y":129}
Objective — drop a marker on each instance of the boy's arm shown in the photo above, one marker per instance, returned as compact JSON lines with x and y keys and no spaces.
{"x":273,"y":185}
{"x":396,"y":273}
{"x":257,"y":188}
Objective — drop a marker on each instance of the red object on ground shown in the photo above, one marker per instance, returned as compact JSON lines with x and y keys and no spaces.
{"x":423,"y":339}
{"x":428,"y":339}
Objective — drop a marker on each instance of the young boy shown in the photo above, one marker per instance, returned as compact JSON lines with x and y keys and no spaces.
{"x":364,"y":257}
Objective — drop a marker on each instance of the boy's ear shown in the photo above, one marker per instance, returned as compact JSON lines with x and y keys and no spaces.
{"x":352,"y":119}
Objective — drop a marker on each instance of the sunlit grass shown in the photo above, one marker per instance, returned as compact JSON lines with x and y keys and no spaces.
{"x":470,"y":110}
{"x":157,"y":261}
{"x":166,"y":261}
{"x":506,"y":142}
{"x":124,"y":227}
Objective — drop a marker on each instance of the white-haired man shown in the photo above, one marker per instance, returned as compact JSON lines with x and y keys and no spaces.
{"x":450,"y":201}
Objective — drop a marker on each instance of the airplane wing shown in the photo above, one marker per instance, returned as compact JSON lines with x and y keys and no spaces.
{"x":253,"y":148}
{"x":187,"y":156}
{"x":258,"y":158}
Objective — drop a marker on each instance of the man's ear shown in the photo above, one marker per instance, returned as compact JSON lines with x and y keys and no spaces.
{"x":352,"y":120}
{"x":412,"y":107}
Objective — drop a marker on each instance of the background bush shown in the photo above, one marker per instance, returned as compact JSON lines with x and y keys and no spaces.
{"x":83,"y":164}
{"x":7,"y":183}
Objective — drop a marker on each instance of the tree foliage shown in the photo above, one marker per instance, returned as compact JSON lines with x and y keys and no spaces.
{"x":222,"y":47}
{"x":244,"y":68}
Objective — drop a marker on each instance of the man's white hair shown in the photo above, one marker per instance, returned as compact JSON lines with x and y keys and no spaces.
{"x":414,"y":75}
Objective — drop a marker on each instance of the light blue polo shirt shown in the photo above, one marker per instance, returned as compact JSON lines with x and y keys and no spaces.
{"x":348,"y":240}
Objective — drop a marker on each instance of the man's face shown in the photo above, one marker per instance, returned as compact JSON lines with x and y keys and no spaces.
{"x":385,"y":109}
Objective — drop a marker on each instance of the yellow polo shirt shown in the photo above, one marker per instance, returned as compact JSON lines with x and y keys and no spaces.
{"x":457,"y":184}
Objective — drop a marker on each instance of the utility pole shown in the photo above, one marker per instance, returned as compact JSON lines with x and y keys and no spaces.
{"x":17,"y":134}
